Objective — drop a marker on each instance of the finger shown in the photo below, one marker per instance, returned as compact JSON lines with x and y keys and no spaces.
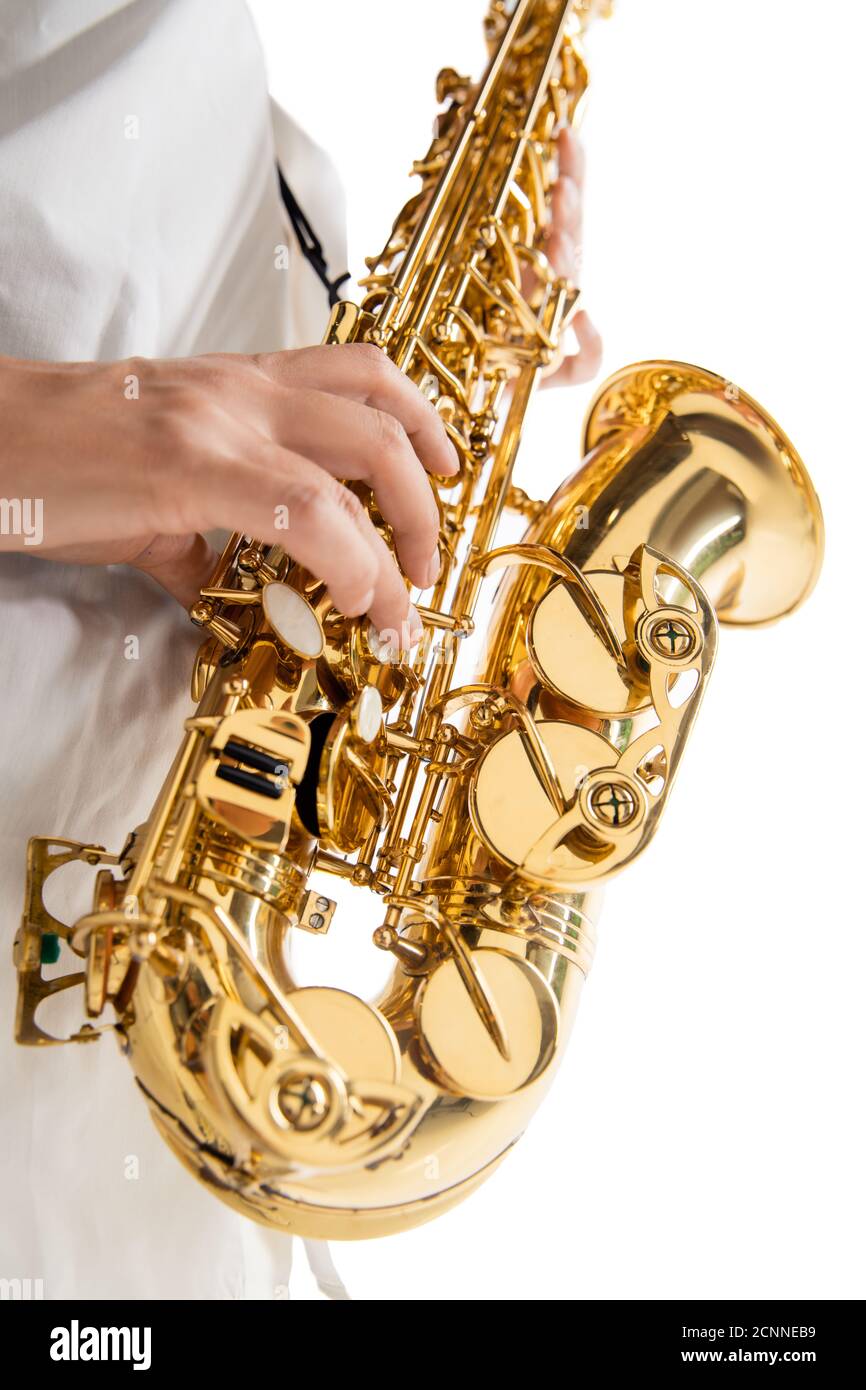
{"x":561,"y":251}
{"x":312,"y":534}
{"x":307,"y":538}
{"x":391,"y":613}
{"x":584,"y":364}
{"x":287,"y":500}
{"x":354,"y":441}
{"x":567,"y":210}
{"x":363,"y":373}
{"x":181,"y":564}
{"x":572,"y":159}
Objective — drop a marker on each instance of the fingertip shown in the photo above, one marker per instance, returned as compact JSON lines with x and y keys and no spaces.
{"x":355,"y":608}
{"x":444,"y":466}
{"x":452,"y":458}
{"x":445,"y":460}
{"x":434,"y":567}
{"x":581,"y":366}
{"x":390,"y":643}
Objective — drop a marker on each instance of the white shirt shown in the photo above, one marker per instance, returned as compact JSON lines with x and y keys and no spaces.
{"x":141,"y":216}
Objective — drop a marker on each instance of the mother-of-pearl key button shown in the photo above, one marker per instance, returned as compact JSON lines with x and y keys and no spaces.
{"x":367,"y":714}
{"x":293,"y":620}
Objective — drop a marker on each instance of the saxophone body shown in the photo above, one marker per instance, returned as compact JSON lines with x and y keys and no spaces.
{"x":483,"y":791}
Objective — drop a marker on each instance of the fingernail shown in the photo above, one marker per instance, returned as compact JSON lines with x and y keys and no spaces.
{"x":454,"y":464}
{"x":365,"y":603}
{"x":388,"y":644}
{"x":382,"y":644}
{"x":433,"y":569}
{"x":416,"y":627}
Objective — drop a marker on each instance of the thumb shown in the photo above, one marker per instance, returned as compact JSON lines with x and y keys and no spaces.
{"x":180,"y":564}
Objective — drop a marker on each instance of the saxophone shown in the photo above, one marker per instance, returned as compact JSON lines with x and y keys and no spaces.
{"x":483,"y":801}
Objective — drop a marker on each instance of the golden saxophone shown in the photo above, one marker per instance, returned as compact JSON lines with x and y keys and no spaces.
{"x":483,"y":806}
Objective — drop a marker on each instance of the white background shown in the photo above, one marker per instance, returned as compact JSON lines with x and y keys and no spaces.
{"x":705,"y":1136}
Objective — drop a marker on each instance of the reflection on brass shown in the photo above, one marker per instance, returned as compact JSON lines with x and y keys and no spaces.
{"x":483,"y":810}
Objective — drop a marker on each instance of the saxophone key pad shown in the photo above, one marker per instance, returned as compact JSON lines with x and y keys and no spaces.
{"x":293,"y":620}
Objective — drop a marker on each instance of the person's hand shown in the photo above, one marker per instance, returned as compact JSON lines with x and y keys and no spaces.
{"x":563,"y":249}
{"x":133,"y":461}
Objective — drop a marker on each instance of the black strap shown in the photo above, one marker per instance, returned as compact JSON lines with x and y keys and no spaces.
{"x":311,"y":247}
